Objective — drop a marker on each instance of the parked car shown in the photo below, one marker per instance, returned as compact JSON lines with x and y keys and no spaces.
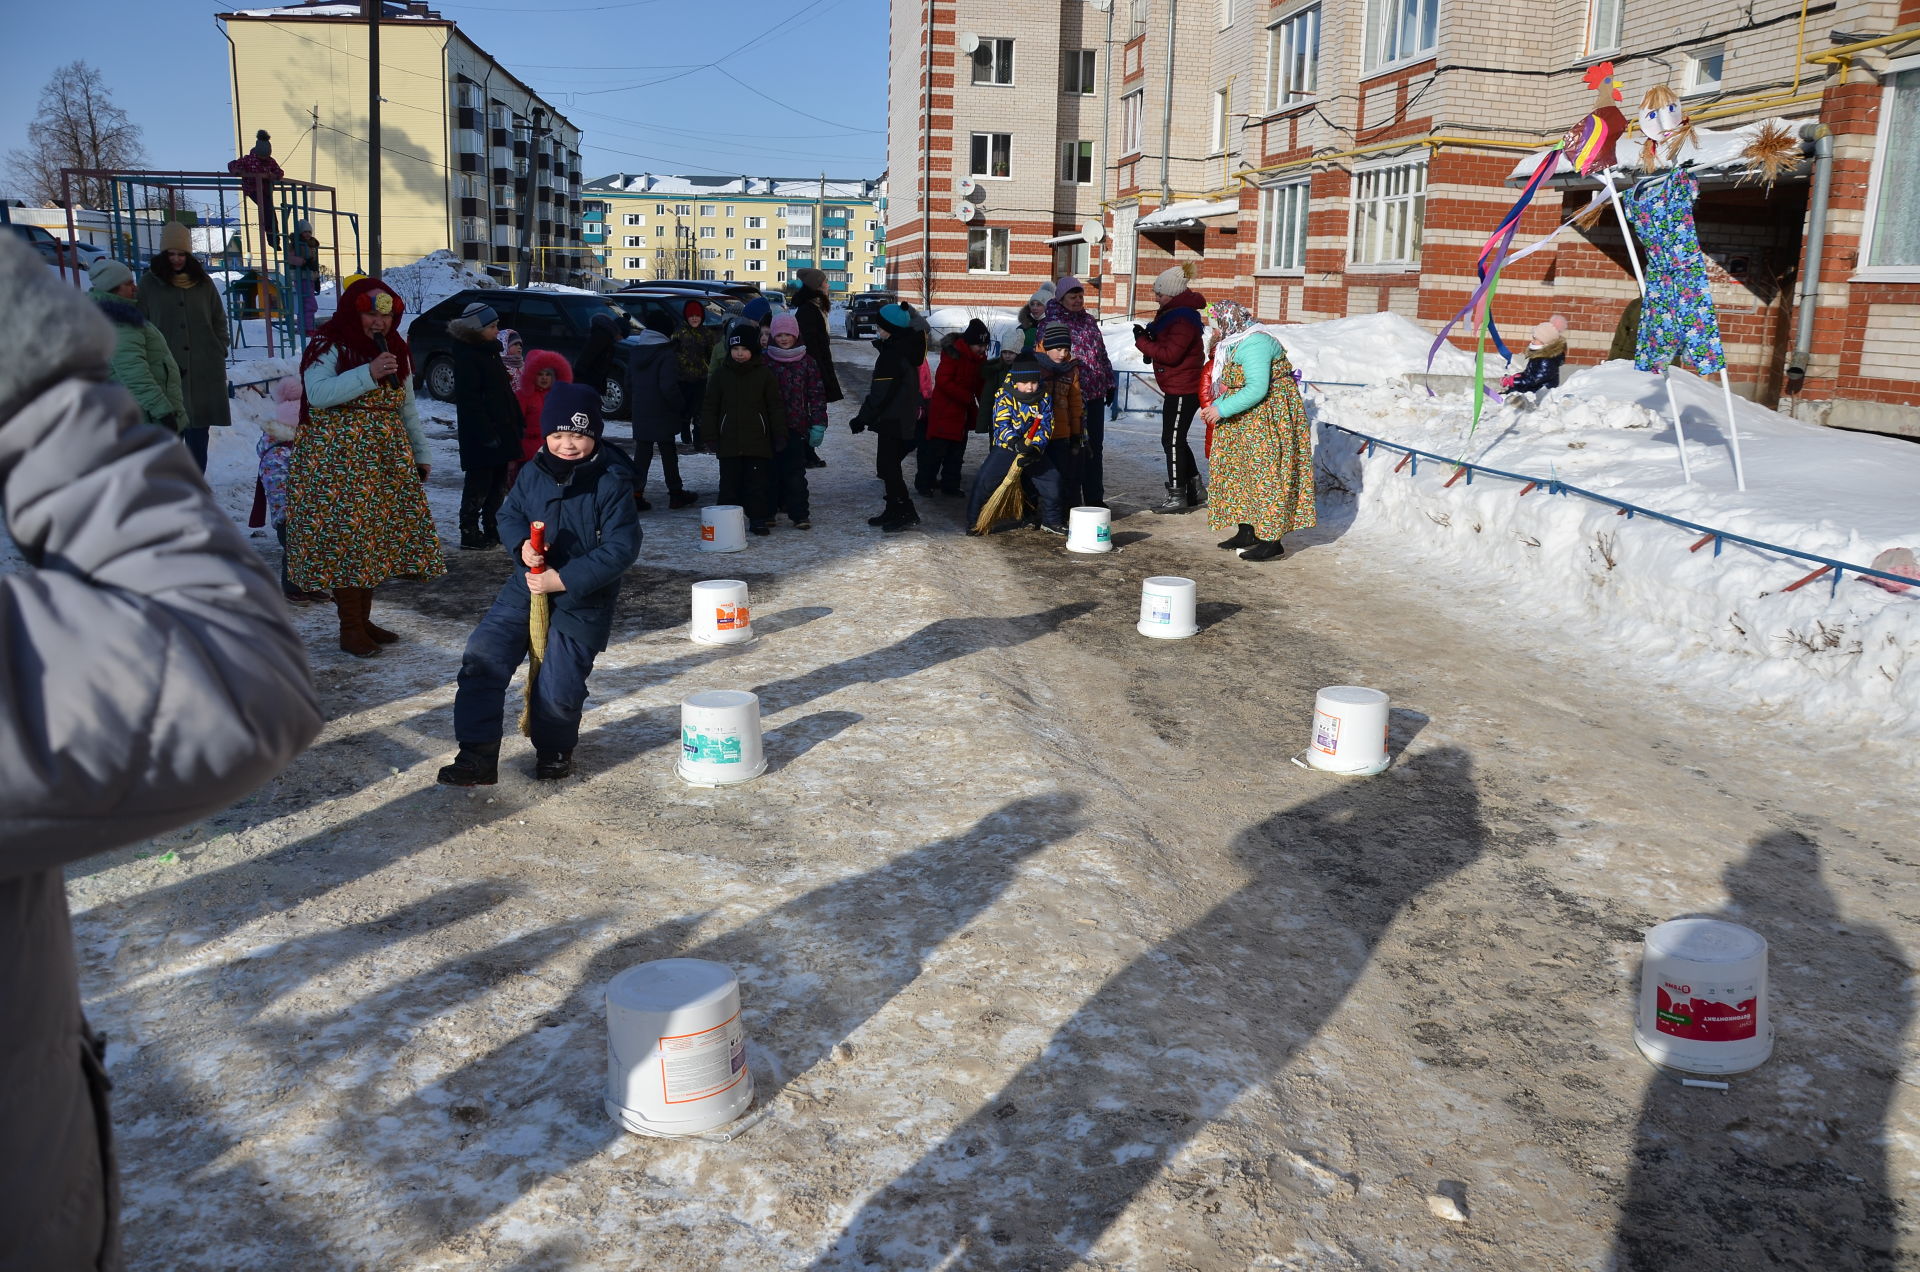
{"x":32,"y":235}
{"x":545,"y":320}
{"x":863,"y":312}
{"x":744,"y":291}
{"x":72,"y":255}
{"x":638,"y":304}
{"x":778,"y":299}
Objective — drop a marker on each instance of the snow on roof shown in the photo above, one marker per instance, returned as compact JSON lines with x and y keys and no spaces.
{"x":1187,"y":212}
{"x":391,"y":12}
{"x":697,"y":186}
{"x":1713,"y":150}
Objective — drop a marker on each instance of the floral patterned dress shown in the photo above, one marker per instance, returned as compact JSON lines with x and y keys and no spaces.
{"x":1261,"y":469}
{"x":1678,"y":319}
{"x":356,"y":511}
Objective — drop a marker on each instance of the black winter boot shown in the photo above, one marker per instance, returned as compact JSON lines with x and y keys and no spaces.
{"x":1244,"y":539}
{"x":551,"y":766}
{"x":905,"y":515}
{"x":886,"y":514}
{"x":1263,"y":550}
{"x":478,"y":764}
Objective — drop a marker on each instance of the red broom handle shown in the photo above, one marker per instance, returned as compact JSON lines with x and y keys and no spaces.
{"x":537,"y":535}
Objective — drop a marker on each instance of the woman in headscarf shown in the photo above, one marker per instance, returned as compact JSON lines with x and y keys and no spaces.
{"x":356,"y":504}
{"x":1262,"y":453}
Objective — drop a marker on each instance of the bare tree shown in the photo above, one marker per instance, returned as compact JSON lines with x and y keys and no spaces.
{"x":78,"y":127}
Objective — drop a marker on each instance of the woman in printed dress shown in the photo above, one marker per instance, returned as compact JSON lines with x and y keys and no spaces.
{"x":1261,"y":456}
{"x":356,"y":500}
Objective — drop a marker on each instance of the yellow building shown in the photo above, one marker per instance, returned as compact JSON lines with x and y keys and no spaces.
{"x":470,"y":154}
{"x":738,"y":229}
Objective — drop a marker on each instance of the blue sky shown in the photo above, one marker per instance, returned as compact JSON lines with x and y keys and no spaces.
{"x":630,"y":73}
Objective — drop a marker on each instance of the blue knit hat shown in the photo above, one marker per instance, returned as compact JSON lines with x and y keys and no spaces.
{"x":571,"y":408}
{"x":758,"y":310}
{"x":897,"y":316}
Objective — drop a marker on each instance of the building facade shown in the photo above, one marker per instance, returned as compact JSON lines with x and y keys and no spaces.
{"x":1317,"y":159}
{"x":473,"y":161}
{"x":737,"y":229}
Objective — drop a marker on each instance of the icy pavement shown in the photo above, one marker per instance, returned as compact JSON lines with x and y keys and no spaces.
{"x":1050,"y":960}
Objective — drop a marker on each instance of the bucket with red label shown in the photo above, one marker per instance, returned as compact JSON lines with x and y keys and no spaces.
{"x":1703,"y":997}
{"x":676,"y":1050}
{"x":721,"y":613}
{"x":723,"y":528}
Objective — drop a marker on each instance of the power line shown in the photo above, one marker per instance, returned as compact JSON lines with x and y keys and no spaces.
{"x":876,"y":132}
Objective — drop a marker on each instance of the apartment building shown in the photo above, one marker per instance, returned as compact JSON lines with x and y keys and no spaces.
{"x":737,"y":229}
{"x":473,"y":161}
{"x":1317,"y":159}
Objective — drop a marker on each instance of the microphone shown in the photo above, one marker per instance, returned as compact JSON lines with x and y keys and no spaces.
{"x":380,"y":343}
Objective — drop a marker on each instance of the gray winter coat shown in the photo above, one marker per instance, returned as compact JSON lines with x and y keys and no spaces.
{"x":152,"y":678}
{"x":195,"y":326}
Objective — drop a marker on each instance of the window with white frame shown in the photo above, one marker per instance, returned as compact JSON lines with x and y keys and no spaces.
{"x":1293,"y":58}
{"x":729,"y":231}
{"x":873,"y":227}
{"x":659,"y":209}
{"x":1076,"y":72}
{"x":1704,"y":68}
{"x":633,"y":262}
{"x":833,"y":253}
{"x":992,"y":155}
{"x":632,"y":240}
{"x":1283,"y":228}
{"x":706,"y":276}
{"x":993,"y":62}
{"x":683,"y":209}
{"x":1893,"y":204}
{"x":1076,"y":162}
{"x":729,"y":209}
{"x":1217,"y":132}
{"x":987,"y":250}
{"x":780,"y":233}
{"x":1400,"y":30}
{"x":756,"y":265}
{"x":756,"y":222}
{"x":706,"y":231}
{"x":706,"y":209}
{"x":1132,"y":107}
{"x":756,"y":245}
{"x":1072,"y":258}
{"x":1226,"y":13}
{"x":1389,"y":209}
{"x":709,"y":253}
{"x":1142,"y":11}
{"x":632,"y":218}
{"x":1121,"y":254}
{"x":1603,"y":25}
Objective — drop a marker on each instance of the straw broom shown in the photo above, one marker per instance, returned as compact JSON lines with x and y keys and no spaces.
{"x":537,"y":614}
{"x":1008,"y":501}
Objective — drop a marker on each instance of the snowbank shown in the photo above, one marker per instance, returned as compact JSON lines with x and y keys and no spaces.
{"x":1721,"y":625}
{"x":1366,"y":349}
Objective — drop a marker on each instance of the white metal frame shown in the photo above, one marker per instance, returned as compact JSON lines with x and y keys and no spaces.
{"x":1867,"y":271}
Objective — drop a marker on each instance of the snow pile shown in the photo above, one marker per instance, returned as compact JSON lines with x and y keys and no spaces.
{"x":1003,"y":323}
{"x":1366,"y":349}
{"x":431,"y":279}
{"x":1720,"y":625}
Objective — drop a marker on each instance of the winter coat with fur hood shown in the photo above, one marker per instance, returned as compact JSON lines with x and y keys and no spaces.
{"x":188,"y":691}
{"x":956,"y":391}
{"x":531,"y":397}
{"x":142,"y":362}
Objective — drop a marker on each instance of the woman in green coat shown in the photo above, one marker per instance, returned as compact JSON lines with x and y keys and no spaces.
{"x":179,"y":299}
{"x":141,"y":360}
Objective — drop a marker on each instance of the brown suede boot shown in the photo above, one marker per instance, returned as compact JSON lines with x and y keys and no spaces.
{"x":352,"y":604}
{"x":379,"y":635}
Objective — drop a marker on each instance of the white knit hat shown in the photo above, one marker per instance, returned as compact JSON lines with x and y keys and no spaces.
{"x":1171,"y":282}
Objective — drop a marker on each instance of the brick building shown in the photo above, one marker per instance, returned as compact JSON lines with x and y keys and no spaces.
{"x":1317,"y":159}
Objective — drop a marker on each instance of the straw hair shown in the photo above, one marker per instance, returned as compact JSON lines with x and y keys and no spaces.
{"x":1658,"y":98}
{"x":1774,"y":151}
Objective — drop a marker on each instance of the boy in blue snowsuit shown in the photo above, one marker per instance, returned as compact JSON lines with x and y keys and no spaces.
{"x":592,"y":536}
{"x":1022,"y":427}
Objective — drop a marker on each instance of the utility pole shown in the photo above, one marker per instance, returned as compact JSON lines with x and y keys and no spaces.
{"x":373,"y":8}
{"x":532,"y":178}
{"x":313,"y":146}
{"x":1166,"y":112}
{"x":820,"y":233}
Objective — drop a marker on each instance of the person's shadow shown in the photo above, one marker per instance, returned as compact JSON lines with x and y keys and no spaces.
{"x":1788,"y":1169}
{"x":1038,"y":1174}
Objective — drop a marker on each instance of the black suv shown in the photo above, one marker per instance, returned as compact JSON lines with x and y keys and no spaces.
{"x":863,"y":312}
{"x":545,"y":320}
{"x":639,"y":305}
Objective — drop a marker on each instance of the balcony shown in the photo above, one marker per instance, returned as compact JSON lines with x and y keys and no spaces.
{"x":503,"y":235}
{"x":797,"y":262}
{"x":839,"y":222}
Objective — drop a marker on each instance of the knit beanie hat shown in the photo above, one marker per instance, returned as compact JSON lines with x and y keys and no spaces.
{"x":174,"y":237}
{"x":758,"y":310}
{"x":744,"y":335}
{"x":1170,"y":283}
{"x":1043,"y":294}
{"x":303,"y":226}
{"x":896,"y":316}
{"x":976,"y":332}
{"x":1067,"y":283}
{"x":692,"y":307}
{"x":479,"y":315}
{"x":814,"y":278}
{"x":786,"y":325}
{"x":106,"y":273}
{"x":1056,"y":335}
{"x":571,"y":408}
{"x":1543,"y":334}
{"x":1026,"y":369}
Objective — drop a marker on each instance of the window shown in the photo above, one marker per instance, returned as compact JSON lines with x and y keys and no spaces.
{"x":706,"y":209}
{"x":780,"y":255}
{"x":706,"y":231}
{"x":729,"y":209}
{"x":833,"y":253}
{"x":1283,"y":227}
{"x":1399,"y":30}
{"x":729,"y":253}
{"x":729,"y":233}
{"x":755,"y":266}
{"x":1072,"y":258}
{"x":659,"y":209}
{"x":537,"y":319}
{"x":756,"y":222}
{"x":683,"y":209}
{"x":1389,"y":207}
{"x":1076,"y":163}
{"x":756,"y":245}
{"x":873,"y":227}
{"x":632,"y":240}
{"x":1703,"y":70}
{"x":633,"y":262}
{"x":632,"y":218}
{"x":709,"y":253}
{"x":1293,"y":57}
{"x":1219,"y":118}
{"x":1123,"y":238}
{"x":1131,"y":108}
{"x":1226,"y":14}
{"x":1142,"y":10}
{"x":780,"y":233}
{"x":706,"y":276}
{"x":987,"y":251}
{"x":1892,"y":232}
{"x":1603,"y":25}
{"x":1076,"y":71}
{"x":992,"y":154}
{"x":993,"y":62}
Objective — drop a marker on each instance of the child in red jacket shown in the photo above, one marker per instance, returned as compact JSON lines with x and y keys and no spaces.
{"x":951,"y":411}
{"x":543,"y":369}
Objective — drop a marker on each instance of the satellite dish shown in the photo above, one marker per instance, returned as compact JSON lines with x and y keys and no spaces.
{"x":1092,"y":231}
{"x":963,"y":211}
{"x":969,"y":42}
{"x":966,"y":187}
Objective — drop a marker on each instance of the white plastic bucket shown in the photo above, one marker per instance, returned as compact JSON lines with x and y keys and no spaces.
{"x":1167,"y":607}
{"x":1349,"y":731}
{"x":1703,"y":997}
{"x":723,"y":528}
{"x":676,"y":1051}
{"x":720,"y":738}
{"x":721,"y":615}
{"x":1089,"y":530}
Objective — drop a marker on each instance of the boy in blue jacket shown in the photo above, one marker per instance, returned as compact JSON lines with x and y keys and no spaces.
{"x":1022,"y":427}
{"x":592,"y":536}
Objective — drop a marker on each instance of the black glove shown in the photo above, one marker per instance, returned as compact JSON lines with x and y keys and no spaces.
{"x":856,"y":427}
{"x":1141,"y":333}
{"x":1078,"y":446}
{"x":1028,"y":451}
{"x":169,"y":422}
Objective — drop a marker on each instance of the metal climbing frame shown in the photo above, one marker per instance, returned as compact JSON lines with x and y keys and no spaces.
{"x":240,"y":201}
